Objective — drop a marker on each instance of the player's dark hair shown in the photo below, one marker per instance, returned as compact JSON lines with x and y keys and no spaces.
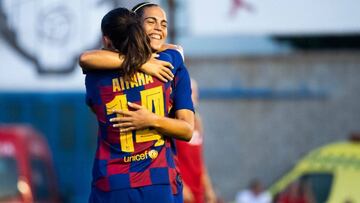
{"x":139,"y":8}
{"x":124,"y":30}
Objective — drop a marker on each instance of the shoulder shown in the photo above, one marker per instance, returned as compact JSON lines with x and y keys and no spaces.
{"x":179,"y":51}
{"x":95,"y":77}
{"x":174,"y":57}
{"x":174,"y":49}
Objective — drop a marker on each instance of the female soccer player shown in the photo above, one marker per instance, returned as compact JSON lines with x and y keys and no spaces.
{"x":196,"y":180}
{"x":136,"y":164}
{"x":153,"y":19}
{"x":154,"y":22}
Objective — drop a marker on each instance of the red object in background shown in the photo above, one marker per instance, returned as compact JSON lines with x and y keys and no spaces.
{"x":355,"y":137}
{"x":26,"y":169}
{"x":191,"y":166}
{"x":240,"y":4}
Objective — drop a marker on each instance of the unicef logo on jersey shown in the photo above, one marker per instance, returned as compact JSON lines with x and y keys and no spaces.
{"x":51,"y":34}
{"x":152,"y":154}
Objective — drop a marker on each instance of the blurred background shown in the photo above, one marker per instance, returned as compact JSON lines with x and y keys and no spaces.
{"x":277,"y":79}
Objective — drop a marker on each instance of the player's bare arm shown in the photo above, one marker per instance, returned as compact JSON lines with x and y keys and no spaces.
{"x":188,"y":195}
{"x":106,"y":59}
{"x":180,"y":128}
{"x":210,"y":194}
{"x":100,"y":59}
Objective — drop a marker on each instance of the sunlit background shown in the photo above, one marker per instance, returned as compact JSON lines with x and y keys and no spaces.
{"x":277,"y":79}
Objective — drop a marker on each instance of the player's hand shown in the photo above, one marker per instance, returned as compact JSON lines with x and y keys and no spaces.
{"x":158,"y":68}
{"x":188,"y":195}
{"x":140,"y":118}
{"x":210,"y":196}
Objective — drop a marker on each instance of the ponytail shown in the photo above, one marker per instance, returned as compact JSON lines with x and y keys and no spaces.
{"x":126,"y":34}
{"x":137,"y":52}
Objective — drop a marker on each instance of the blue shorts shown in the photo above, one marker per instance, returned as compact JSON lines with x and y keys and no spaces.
{"x":147,"y":194}
{"x":178,"y":198}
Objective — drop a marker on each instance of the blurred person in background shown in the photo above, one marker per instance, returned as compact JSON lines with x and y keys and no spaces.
{"x":254,"y":194}
{"x":197,"y":183}
{"x":297,"y":192}
{"x":141,"y":167}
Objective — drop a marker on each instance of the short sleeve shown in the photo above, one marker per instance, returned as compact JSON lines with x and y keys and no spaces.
{"x":182,"y":90}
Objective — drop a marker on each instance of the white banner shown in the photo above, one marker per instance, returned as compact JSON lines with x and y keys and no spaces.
{"x":269,"y":17}
{"x":40,"y":41}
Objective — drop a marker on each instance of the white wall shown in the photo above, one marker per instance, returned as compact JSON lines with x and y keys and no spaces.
{"x":264,"y":17}
{"x":53,"y":33}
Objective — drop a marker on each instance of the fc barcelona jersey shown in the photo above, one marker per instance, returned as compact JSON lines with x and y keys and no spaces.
{"x":141,"y":157}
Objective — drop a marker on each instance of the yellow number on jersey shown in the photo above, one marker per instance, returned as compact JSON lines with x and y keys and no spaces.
{"x":120,"y":103}
{"x":152,"y":99}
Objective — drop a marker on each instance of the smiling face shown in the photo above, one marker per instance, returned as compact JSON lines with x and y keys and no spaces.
{"x":155,"y":25}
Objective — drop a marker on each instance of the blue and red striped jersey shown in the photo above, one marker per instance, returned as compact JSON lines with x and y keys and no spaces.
{"x":142,"y":157}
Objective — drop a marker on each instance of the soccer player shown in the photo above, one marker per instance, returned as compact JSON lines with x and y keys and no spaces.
{"x":197,"y":183}
{"x":136,"y":164}
{"x":154,"y":22}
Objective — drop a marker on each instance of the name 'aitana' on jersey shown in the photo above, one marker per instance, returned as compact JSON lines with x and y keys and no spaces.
{"x":138,"y":79}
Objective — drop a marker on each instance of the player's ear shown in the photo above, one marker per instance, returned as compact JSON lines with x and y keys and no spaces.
{"x":107,"y":42}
